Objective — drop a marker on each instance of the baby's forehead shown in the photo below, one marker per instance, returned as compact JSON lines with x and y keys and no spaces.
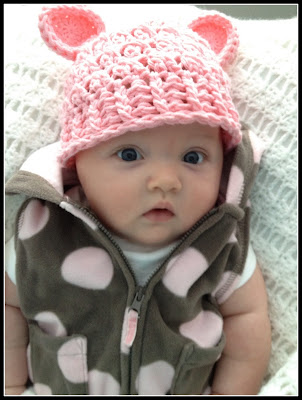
{"x":180,"y":132}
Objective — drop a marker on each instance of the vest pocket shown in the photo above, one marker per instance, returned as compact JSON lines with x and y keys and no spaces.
{"x":194,"y":369}
{"x":57,"y":364}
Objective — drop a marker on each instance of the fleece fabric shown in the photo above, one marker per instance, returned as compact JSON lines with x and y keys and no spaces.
{"x":93,"y":329}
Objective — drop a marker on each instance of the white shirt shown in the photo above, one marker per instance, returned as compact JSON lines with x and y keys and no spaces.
{"x":143,"y":262}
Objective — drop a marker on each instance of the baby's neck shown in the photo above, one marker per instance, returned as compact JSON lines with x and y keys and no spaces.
{"x":144,"y":260}
{"x":129,"y":246}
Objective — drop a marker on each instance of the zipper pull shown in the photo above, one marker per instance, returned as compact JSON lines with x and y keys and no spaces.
{"x":132,"y":317}
{"x":138,"y":299}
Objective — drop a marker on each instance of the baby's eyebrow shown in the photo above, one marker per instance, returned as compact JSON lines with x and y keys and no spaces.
{"x":201,"y":139}
{"x":205,"y":134}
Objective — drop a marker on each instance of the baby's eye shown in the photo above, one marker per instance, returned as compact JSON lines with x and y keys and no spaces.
{"x":129,"y":154}
{"x":193,"y":157}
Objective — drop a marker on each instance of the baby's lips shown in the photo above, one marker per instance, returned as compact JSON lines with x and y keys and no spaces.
{"x":163,"y":205}
{"x":159,"y":215}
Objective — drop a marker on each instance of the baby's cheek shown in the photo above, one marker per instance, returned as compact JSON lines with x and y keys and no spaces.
{"x":200,"y":204}
{"x":110,"y":210}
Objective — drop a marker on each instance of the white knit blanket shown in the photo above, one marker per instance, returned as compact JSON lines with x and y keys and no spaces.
{"x":265,"y":93}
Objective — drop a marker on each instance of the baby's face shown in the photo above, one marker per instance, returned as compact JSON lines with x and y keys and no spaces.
{"x":151,"y":186}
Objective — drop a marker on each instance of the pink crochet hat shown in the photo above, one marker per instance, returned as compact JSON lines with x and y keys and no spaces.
{"x":146,"y":77}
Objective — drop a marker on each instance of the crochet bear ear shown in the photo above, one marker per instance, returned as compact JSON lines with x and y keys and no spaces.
{"x":66,"y":28}
{"x":222,"y":36}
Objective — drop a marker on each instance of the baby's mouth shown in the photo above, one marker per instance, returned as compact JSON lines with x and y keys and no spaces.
{"x":160,"y":213}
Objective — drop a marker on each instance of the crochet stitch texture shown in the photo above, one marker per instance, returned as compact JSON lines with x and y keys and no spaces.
{"x":141,"y":78}
{"x":264,"y":91}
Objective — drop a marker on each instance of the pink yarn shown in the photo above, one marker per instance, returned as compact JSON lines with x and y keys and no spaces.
{"x":66,"y":28}
{"x":146,"y":77}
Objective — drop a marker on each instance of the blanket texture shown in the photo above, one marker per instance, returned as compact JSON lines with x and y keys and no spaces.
{"x":265,"y":93}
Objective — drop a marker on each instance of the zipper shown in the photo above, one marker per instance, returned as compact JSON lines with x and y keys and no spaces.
{"x":183,"y":239}
{"x":138,"y":300}
{"x":135,"y":308}
{"x":133,"y":316}
{"x":106,"y":233}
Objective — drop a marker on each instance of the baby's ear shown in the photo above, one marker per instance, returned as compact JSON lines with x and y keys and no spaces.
{"x":66,"y":28}
{"x":222,"y":36}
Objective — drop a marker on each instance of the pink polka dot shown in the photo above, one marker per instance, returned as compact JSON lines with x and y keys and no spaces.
{"x":226,"y":286}
{"x":232,"y":238}
{"x":102,"y":383}
{"x":208,"y":390}
{"x":29,"y":366}
{"x":33,"y":219}
{"x":235,"y":186}
{"x":50,"y":323}
{"x":42,"y":389}
{"x":155,"y":378}
{"x":184,"y":270}
{"x":88,"y":267}
{"x":72,"y":360}
{"x":205,"y":329}
{"x":258,"y":147}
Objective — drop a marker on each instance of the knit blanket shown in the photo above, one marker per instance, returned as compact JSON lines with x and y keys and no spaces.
{"x":264,"y":81}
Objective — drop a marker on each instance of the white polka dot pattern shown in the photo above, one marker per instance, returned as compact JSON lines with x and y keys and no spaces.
{"x":102,"y":383}
{"x":72,"y":360}
{"x":34,"y":218}
{"x":232,"y":238}
{"x":205,"y":329}
{"x":29,"y":366}
{"x":258,"y":147}
{"x":42,"y":390}
{"x":184,"y":270}
{"x":88,"y":267}
{"x":155,"y":378}
{"x":50,"y":323}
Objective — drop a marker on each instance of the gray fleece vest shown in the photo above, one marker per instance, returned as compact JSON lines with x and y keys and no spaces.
{"x":93,"y":330}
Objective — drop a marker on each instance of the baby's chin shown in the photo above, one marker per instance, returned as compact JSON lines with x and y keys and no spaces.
{"x":148,"y":245}
{"x":149,"y":239}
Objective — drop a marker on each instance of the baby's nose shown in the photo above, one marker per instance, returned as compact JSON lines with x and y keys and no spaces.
{"x":165,"y":178}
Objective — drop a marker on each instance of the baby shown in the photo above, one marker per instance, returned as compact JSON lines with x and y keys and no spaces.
{"x":131,"y":269}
